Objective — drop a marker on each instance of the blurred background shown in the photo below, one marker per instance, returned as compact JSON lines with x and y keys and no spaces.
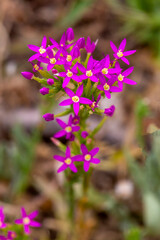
{"x":125,"y":189}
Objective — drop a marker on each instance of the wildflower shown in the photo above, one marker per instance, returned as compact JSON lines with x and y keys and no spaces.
{"x":40,"y":51}
{"x":69,"y":57}
{"x":122,"y":77}
{"x":119,"y":53}
{"x":11,"y":235}
{"x":84,"y":134}
{"x":90,"y":46}
{"x":50,"y":81}
{"x":2,"y":217}
{"x":67,"y":130}
{"x":44,"y":91}
{"x":69,"y":34}
{"x":68,"y":161}
{"x":51,"y":60}
{"x":90,"y":71}
{"x":62,"y":44}
{"x":81,"y":43}
{"x":75,"y":99}
{"x":27,"y":221}
{"x":109,"y":111}
{"x":70,"y":73}
{"x":104,"y":69}
{"x":107,"y":86}
{"x":27,"y":75}
{"x":48,"y":117}
{"x":88,"y":157}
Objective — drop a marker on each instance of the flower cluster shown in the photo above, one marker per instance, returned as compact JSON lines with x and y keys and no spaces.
{"x":85,"y":82}
{"x":26,"y":221}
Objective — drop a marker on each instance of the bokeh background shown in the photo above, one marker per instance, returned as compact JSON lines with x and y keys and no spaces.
{"x":126,"y":197}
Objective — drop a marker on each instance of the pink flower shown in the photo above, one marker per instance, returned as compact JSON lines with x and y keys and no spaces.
{"x":2,"y":217}
{"x":122,"y":78}
{"x":68,"y":161}
{"x":75,"y":99}
{"x":119,"y":53}
{"x":27,"y":220}
{"x":88,"y":157}
{"x":109,"y":111}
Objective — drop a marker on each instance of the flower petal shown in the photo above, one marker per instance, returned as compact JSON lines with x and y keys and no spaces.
{"x":85,"y":100}
{"x":66,"y":81}
{"x":114,"y":48}
{"x":79,"y":90}
{"x":122,"y":45}
{"x":59,"y":158}
{"x":61,"y":123}
{"x":59,"y":134}
{"x":23,"y":212}
{"x":128,"y":71}
{"x":33,"y":48}
{"x":129,"y":81}
{"x":69,"y":92}
{"x":66,"y":102}
{"x":44,"y":42}
{"x":77,"y":158}
{"x":35,"y":56}
{"x":75,"y":128}
{"x":33,"y":214}
{"x":62,"y":168}
{"x":76,"y":108}
{"x":127,"y":53}
{"x":26,"y":229}
{"x":86,"y":166}
{"x":73,"y":167}
{"x":68,"y":152}
{"x":125,"y":60}
{"x":94,"y":151}
{"x":84,"y":149}
{"x":95,"y":160}
{"x":35,"y":224}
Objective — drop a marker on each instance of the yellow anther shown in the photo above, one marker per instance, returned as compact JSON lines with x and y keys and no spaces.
{"x":93,"y":105}
{"x":69,"y":74}
{"x":53,"y":60}
{"x":36,"y":67}
{"x":87,"y":157}
{"x":106,"y":86}
{"x":89,"y":73}
{"x":26,"y":220}
{"x":68,"y":129}
{"x":42,"y":50}
{"x":120,"y":77}
{"x":68,"y":161}
{"x":120,"y":53}
{"x":69,"y":58}
{"x":105,"y":70}
{"x":75,"y":99}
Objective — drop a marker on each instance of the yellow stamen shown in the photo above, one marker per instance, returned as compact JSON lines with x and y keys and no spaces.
{"x":42,"y":50}
{"x":36,"y":67}
{"x":53,"y":60}
{"x":75,"y":99}
{"x":106,"y":86}
{"x":89,"y":73}
{"x":68,"y":161}
{"x":68,"y":129}
{"x":105,"y":70}
{"x":69,"y":58}
{"x":69,"y":74}
{"x":120,"y":53}
{"x":93,"y":105}
{"x":26,"y":220}
{"x":120,"y":77}
{"x":87,"y":157}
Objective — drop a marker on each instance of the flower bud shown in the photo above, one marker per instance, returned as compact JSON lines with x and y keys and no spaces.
{"x":109,"y":111}
{"x":76,"y":52}
{"x":27,"y":75}
{"x":54,"y":71}
{"x":69,"y":34}
{"x":84,"y":134}
{"x":81,"y":42}
{"x":44,"y":91}
{"x":50,"y":81}
{"x":48,"y":117}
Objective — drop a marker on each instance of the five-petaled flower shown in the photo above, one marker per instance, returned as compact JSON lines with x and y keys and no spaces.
{"x":75,"y":99}
{"x":27,"y":220}
{"x":40,"y":51}
{"x":67,"y":130}
{"x":119,"y":53}
{"x":122,"y":78}
{"x":88,"y":156}
{"x":68,"y":161}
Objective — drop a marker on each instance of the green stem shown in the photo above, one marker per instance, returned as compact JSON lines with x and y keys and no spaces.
{"x":63,"y":113}
{"x":98,"y":127}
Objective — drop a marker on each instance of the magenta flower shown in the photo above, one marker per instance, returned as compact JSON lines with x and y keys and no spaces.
{"x":122,"y":77}
{"x":67,"y":130}
{"x":2,"y":217}
{"x":109,"y":111}
{"x":104,"y":69}
{"x":27,"y":220}
{"x":3,"y":237}
{"x":27,"y":75}
{"x":75,"y":99}
{"x":11,"y":235}
{"x":52,"y":60}
{"x":40,"y":51}
{"x":75,"y":120}
{"x":44,"y":91}
{"x":70,"y":57}
{"x":88,"y":157}
{"x":48,"y":117}
{"x":119,"y":53}
{"x":62,"y":44}
{"x":107,"y":86}
{"x":91,"y":70}
{"x":70,"y":73}
{"x":37,"y":66}
{"x":90,"y":46}
{"x":68,"y":161}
